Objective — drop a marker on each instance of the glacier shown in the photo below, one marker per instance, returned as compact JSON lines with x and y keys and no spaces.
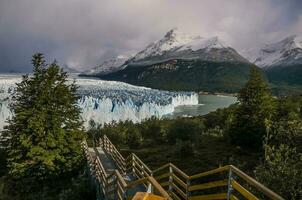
{"x":107,"y":101}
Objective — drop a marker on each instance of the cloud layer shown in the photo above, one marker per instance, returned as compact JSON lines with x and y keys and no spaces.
{"x":82,"y":34}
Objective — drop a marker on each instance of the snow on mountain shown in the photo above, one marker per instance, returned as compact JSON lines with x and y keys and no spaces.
{"x":286,"y":52}
{"x":175,"y":40}
{"x":105,"y":101}
{"x":108,"y":66}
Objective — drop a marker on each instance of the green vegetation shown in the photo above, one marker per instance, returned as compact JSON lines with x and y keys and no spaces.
{"x":282,"y":164}
{"x":196,"y":75}
{"x":42,"y":140}
{"x":187,"y":75}
{"x":256,"y":108}
{"x":259,"y":134}
{"x":290,"y":75}
{"x":187,"y":142}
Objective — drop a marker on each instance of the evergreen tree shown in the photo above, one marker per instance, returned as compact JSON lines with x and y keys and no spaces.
{"x":45,"y":131}
{"x":281,"y":169}
{"x":256,"y":107}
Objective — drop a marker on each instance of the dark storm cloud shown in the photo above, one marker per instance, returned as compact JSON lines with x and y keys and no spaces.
{"x":82,"y":34}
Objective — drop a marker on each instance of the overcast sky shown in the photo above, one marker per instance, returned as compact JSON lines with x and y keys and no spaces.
{"x":82,"y":33}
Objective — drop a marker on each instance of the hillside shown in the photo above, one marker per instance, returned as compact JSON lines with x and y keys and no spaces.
{"x":185,"y":62}
{"x":179,"y":74}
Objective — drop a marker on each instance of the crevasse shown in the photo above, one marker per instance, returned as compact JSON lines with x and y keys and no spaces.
{"x":107,"y":101}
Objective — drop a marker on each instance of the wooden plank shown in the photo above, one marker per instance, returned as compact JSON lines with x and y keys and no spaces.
{"x":162,"y":176}
{"x":119,"y":187}
{"x":233,"y":197}
{"x":179,"y":181}
{"x":184,"y":175}
{"x":175,"y":196}
{"x":179,"y":191}
{"x":161,"y":168}
{"x":208,"y":185}
{"x":141,"y":168}
{"x":243,"y":191}
{"x":138,"y":172}
{"x":136,"y":182}
{"x":119,"y":196}
{"x":142,"y":163}
{"x":209,"y":197}
{"x":158,"y":188}
{"x":214,"y":171}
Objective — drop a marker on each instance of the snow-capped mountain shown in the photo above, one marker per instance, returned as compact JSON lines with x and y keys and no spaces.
{"x":180,"y":61}
{"x":108,"y":66}
{"x":175,"y":40}
{"x":284,"y":53}
{"x":178,"y":45}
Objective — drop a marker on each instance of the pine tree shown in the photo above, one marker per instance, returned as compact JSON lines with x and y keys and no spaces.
{"x":256,"y":108}
{"x":45,"y":131}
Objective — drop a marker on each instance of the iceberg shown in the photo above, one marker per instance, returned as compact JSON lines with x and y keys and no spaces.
{"x":107,"y":101}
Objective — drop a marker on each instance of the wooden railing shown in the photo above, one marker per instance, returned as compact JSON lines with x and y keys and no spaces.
{"x":114,"y":186}
{"x":227,"y":182}
{"x":137,"y":167}
{"x":107,"y":145}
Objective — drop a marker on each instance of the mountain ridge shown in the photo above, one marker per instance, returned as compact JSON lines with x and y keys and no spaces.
{"x":282,"y":61}
{"x":283,"y":53}
{"x":185,"y":62}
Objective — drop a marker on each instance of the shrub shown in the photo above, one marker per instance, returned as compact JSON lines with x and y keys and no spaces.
{"x":133,"y":137}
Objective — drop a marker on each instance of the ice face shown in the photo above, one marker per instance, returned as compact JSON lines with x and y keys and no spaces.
{"x":105,"y":101}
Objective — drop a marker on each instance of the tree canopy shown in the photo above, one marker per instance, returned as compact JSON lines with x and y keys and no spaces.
{"x":44,"y":134}
{"x":256,"y":108}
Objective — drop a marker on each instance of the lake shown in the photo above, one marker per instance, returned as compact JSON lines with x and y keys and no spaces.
{"x":206,"y":104}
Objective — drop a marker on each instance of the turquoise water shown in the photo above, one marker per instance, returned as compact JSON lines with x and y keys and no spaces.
{"x":207,"y":103}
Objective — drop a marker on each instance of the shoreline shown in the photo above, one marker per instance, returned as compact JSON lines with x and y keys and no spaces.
{"x":218,"y":94}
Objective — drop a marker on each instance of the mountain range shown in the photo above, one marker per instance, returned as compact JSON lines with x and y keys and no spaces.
{"x":282,"y":61}
{"x":180,"y":61}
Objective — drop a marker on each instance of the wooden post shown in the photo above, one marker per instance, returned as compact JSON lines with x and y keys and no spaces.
{"x":170,"y":178}
{"x":143,"y":171}
{"x":188,"y":193}
{"x":116,"y":188}
{"x":101,"y":143}
{"x":230,"y":184}
{"x":133,"y":164}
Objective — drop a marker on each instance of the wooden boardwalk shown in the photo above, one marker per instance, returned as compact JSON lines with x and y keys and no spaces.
{"x":121,"y":178}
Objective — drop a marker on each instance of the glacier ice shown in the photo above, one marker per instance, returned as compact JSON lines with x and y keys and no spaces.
{"x":105,"y":101}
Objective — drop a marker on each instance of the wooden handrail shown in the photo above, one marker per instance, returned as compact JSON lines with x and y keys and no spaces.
{"x":119,"y":182}
{"x":179,"y":178}
{"x":214,"y":171}
{"x":143,"y":164}
{"x":184,"y":175}
{"x":158,"y":187}
{"x":269,"y":193}
{"x":161,"y":168}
